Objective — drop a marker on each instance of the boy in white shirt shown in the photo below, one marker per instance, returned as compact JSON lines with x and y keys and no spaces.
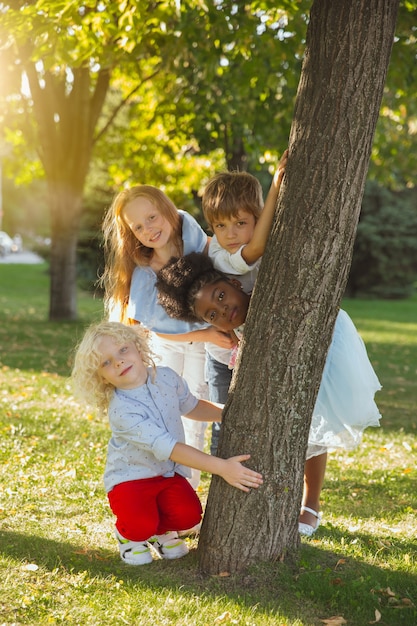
{"x":233,"y":208}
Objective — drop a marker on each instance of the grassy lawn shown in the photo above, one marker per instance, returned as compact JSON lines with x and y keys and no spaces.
{"x":58,"y":559}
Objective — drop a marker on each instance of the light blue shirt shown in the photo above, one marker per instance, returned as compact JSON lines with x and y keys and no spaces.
{"x":143,"y":300}
{"x":146,"y":424}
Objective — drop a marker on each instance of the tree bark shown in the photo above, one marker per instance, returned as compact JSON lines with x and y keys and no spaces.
{"x":300,"y":284}
{"x":65,"y":216}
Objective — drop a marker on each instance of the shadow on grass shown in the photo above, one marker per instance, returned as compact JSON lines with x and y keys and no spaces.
{"x":321,"y":581}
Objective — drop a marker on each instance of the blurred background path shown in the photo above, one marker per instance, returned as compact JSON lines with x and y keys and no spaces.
{"x":25,"y":257}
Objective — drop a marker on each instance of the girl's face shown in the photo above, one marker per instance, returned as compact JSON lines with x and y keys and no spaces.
{"x":234,"y":232}
{"x":121,"y":364}
{"x":148,"y":225}
{"x":222,"y":304}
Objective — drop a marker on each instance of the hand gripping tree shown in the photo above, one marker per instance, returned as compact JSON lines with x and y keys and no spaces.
{"x":301,"y":282}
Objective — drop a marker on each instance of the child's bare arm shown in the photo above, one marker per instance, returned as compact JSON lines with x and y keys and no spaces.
{"x":256,"y":246}
{"x":209,"y":335}
{"x":231,"y":470}
{"x":206,"y":411}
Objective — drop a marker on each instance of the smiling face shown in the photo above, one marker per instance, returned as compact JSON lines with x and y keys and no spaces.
{"x":121,"y":364}
{"x":148,"y":225}
{"x":222,"y":304}
{"x":234,"y":232}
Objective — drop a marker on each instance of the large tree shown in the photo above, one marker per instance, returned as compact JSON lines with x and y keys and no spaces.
{"x":301,"y":282}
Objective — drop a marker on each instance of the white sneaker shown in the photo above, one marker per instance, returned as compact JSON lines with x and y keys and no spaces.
{"x":169,"y":545}
{"x":133,"y":552}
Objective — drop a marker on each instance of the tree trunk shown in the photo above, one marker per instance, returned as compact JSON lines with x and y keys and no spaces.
{"x":65,"y":217}
{"x":234,"y":148}
{"x":66,"y":114}
{"x":300,"y":284}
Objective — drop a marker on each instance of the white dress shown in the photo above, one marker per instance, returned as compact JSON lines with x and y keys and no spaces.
{"x":345,"y":404}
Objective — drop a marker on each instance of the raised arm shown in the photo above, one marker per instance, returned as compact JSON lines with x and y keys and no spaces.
{"x":231,"y":470}
{"x":256,"y":246}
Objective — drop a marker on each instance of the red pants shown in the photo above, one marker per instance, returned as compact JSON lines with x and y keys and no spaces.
{"x":153,"y":506}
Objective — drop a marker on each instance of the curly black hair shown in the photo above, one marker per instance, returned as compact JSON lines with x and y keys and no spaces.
{"x":180,"y":280}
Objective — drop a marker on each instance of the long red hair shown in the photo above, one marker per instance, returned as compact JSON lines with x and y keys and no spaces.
{"x":123,"y":251}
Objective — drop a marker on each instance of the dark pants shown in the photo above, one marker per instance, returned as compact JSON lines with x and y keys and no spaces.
{"x":218,"y":378}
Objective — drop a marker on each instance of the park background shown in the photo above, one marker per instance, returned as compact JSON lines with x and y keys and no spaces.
{"x":172,"y":118}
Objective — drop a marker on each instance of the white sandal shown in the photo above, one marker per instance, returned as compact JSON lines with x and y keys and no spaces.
{"x":306,"y":529}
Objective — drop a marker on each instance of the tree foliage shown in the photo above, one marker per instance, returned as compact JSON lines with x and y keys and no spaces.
{"x":240,"y":76}
{"x":165,"y":92}
{"x":394,"y":153}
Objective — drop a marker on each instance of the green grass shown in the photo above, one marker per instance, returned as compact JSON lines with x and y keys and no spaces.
{"x":58,"y":559}
{"x":28,"y":340}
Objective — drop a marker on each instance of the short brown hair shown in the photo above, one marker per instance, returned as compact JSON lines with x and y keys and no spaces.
{"x":229,"y":192}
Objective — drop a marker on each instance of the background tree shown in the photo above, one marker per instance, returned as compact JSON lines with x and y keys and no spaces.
{"x":68,"y":53}
{"x":292,"y":316}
